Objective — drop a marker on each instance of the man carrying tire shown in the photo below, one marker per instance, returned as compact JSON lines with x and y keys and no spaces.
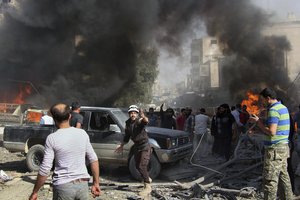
{"x":135,"y":130}
{"x":68,"y":148}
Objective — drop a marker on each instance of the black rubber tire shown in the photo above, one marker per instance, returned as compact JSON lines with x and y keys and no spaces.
{"x":35,"y":157}
{"x":219,"y":194}
{"x":154,"y":168}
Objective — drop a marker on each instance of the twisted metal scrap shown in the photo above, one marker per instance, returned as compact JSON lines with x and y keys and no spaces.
{"x":195,"y":186}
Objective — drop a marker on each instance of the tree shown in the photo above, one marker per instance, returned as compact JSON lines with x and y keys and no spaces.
{"x":140,"y":88}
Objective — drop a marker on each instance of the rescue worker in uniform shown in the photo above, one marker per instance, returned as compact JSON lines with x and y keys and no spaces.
{"x":135,"y":130}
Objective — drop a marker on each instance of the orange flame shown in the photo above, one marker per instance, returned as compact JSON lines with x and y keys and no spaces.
{"x":24,"y":91}
{"x":252,"y":103}
{"x":33,"y":117}
{"x":3,"y":108}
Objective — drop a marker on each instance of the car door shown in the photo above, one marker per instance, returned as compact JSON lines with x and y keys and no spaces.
{"x":105,"y":135}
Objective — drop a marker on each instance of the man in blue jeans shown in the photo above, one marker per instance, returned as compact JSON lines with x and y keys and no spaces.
{"x":68,"y":147}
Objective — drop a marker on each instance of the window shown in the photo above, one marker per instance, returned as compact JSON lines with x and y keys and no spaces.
{"x":100,"y":121}
{"x":213,"y":42}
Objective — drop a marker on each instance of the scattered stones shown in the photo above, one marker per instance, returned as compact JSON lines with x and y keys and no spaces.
{"x":46,"y":186}
{"x":12,"y":182}
{"x":115,"y":182}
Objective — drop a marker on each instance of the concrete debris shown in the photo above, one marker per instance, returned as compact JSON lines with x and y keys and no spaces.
{"x":209,"y":178}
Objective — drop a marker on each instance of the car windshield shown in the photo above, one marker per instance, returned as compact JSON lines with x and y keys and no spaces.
{"x":121,"y":116}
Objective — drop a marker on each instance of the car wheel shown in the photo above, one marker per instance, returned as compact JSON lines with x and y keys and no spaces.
{"x":154,"y":168}
{"x":35,"y":157}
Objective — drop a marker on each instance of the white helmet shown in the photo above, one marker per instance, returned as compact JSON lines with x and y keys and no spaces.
{"x":133,"y":108}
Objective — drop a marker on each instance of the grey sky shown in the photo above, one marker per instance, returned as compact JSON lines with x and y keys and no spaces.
{"x":171,"y":69}
{"x":280,"y":7}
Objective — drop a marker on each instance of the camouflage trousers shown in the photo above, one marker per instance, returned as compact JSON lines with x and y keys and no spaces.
{"x":275,"y":172}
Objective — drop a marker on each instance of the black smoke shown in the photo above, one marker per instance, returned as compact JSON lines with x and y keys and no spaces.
{"x":87,"y":50}
{"x":253,"y":61}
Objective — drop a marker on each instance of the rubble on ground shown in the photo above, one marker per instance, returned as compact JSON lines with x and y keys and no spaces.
{"x":238,"y":178}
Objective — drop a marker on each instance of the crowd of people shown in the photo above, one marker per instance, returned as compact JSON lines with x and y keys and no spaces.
{"x":279,"y":126}
{"x":225,"y":126}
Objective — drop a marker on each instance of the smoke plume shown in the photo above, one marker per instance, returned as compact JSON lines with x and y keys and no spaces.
{"x":87,"y":50}
{"x":253,"y":60}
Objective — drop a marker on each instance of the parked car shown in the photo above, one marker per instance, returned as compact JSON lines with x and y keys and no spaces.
{"x":106,"y":129}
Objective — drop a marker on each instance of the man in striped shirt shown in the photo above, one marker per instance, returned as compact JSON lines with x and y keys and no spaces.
{"x":276,"y":146}
{"x":68,"y":147}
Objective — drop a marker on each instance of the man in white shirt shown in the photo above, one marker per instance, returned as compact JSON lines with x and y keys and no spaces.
{"x":69,"y":149}
{"x":202,"y":122}
{"x":46,"y":119}
{"x":236,"y":114}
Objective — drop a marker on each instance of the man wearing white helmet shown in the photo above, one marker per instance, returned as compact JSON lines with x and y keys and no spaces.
{"x":135,"y":130}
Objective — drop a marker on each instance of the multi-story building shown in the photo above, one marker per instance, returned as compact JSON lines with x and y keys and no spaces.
{"x":289,"y":28}
{"x":206,"y":58}
{"x":204,"y":82}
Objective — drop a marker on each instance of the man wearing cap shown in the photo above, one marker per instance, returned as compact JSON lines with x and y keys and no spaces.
{"x":135,"y":130}
{"x":276,"y":146}
{"x":76,"y":118}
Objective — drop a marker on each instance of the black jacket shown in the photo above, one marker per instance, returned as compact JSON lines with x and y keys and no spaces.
{"x":136,"y":132}
{"x":221,"y":125}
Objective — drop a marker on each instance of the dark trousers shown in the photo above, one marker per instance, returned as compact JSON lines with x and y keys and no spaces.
{"x":226,"y":144}
{"x":216,"y":146}
{"x":222,"y":146}
{"x":142,"y":158}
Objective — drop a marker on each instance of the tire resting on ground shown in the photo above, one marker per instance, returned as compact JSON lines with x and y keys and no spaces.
{"x":34,"y":157}
{"x":154,"y":167}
